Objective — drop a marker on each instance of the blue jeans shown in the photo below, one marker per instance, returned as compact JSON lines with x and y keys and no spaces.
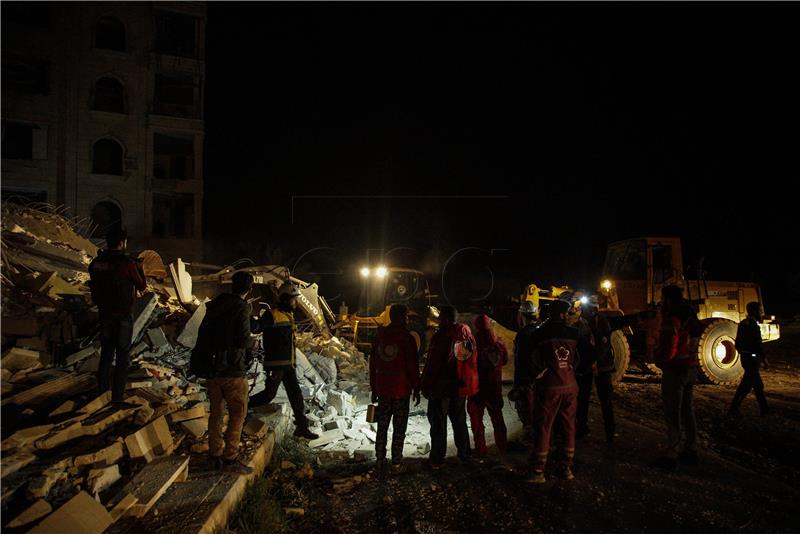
{"x":115,"y":338}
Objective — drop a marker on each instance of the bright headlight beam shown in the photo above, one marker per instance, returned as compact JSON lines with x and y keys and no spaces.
{"x":381,"y":271}
{"x":364,"y":272}
{"x":606,"y":284}
{"x":584,"y":300}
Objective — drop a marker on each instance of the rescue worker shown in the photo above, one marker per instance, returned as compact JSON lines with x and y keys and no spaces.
{"x":115,"y":278}
{"x":751,"y":355}
{"x":393,"y":377}
{"x":522,"y":393}
{"x":679,"y":366}
{"x":553,"y":364}
{"x":223,"y":355}
{"x":279,"y":353}
{"x":491,"y":358}
{"x":450,"y":376}
{"x":596,"y":365}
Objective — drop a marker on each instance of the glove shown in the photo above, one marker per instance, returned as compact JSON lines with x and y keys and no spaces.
{"x":417,"y":398}
{"x":374,"y":397}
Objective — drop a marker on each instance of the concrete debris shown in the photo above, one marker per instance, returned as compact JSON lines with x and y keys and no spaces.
{"x":106,"y":456}
{"x":151,"y":441}
{"x":80,"y":515}
{"x":188,"y":337}
{"x":195,"y":412}
{"x":100,"y":479}
{"x":17,"y":359}
{"x":122,"y":508}
{"x":326,"y":437}
{"x":36,"y":511}
{"x":196,"y":427}
{"x":151,"y":482}
{"x":255,"y":426}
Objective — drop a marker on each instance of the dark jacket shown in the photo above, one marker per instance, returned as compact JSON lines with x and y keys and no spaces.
{"x":594,"y":345}
{"x":393,"y":366}
{"x":225,"y":331}
{"x":524,"y":345}
{"x":115,"y":277}
{"x":748,"y":343}
{"x":556,"y":356}
{"x":278,"y":327}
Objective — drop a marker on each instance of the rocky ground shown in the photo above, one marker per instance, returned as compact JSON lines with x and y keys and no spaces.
{"x":747,"y":481}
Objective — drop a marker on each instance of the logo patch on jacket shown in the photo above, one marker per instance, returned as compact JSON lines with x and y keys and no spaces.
{"x":562,"y":354}
{"x":462,"y":350}
{"x":493,"y":355}
{"x":388,"y":353}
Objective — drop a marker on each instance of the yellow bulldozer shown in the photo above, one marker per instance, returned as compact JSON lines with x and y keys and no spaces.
{"x":634,"y":272}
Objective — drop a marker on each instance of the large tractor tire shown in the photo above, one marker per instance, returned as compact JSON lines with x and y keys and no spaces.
{"x":622,"y":355}
{"x":716,"y":352}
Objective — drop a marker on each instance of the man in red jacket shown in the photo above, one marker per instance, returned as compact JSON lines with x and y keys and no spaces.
{"x":449,"y":377}
{"x":492,"y":356}
{"x":393,"y":376}
{"x":676,"y":359}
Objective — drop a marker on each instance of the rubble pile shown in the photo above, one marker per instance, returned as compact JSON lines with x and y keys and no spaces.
{"x":67,"y":452}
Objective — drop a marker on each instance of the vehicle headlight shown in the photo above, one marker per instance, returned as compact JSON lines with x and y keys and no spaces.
{"x":364,"y":272}
{"x":607,"y":284}
{"x":381,"y":271}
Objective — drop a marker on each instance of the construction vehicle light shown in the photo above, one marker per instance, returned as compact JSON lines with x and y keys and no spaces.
{"x":607,"y":284}
{"x":364,"y":272}
{"x":381,"y":271}
{"x":584,"y":300}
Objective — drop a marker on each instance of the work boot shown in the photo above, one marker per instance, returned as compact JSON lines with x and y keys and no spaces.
{"x":237,"y":466}
{"x":566,"y":473}
{"x":537,"y":478}
{"x":669,"y":464}
{"x":380,"y":469}
{"x":689,"y":457}
{"x":304,"y":433}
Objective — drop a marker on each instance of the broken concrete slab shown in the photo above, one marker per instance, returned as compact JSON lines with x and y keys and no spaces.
{"x":370,"y":434}
{"x":80,"y":355}
{"x":11,"y":463}
{"x":80,"y":515}
{"x":17,"y":359}
{"x":196,"y":427}
{"x":95,"y":404}
{"x":255,"y":426}
{"x":39,"y":487}
{"x":151,"y":482}
{"x":157,"y":338}
{"x":22,"y":438}
{"x":195,"y":412}
{"x":188,"y":337}
{"x":102,"y":478}
{"x":122,"y":507}
{"x":326,"y":437}
{"x":326,"y":367}
{"x":151,"y":441}
{"x":341,"y":401}
{"x":65,"y":408}
{"x":182,"y":281}
{"x":68,"y":385}
{"x":34,"y":512}
{"x":142,"y":311}
{"x":106,"y":456}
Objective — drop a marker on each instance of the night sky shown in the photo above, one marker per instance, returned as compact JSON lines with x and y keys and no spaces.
{"x":584,"y":123}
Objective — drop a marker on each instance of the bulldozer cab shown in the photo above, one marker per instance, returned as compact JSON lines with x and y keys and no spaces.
{"x":399,"y":286}
{"x":638,"y":268}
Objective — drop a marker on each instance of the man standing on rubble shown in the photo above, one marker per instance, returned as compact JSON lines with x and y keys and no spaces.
{"x":115,"y":278}
{"x":393,"y":376}
{"x":522,"y":393}
{"x":279,"y":352}
{"x":596,"y":365}
{"x":553,"y":367}
{"x":449,"y":377}
{"x":222,"y":355}
{"x":492,"y":356}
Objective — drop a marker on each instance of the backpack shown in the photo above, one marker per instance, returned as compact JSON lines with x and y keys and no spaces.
{"x":110,"y":289}
{"x":209,"y":356}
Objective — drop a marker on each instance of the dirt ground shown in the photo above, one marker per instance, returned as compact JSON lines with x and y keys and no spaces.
{"x":747,"y":481}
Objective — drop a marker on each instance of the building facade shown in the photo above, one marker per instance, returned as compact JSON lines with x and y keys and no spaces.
{"x":102,"y":112}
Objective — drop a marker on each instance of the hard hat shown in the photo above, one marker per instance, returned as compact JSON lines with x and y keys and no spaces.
{"x":526,"y":307}
{"x":559,"y":306}
{"x":288,"y":290}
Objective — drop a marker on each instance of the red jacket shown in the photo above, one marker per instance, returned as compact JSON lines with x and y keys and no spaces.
{"x":393,"y":365}
{"x":452,"y":366}
{"x":674,"y":347}
{"x":492,"y":356}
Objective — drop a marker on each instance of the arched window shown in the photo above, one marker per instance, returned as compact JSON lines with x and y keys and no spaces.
{"x":106,"y":216}
{"x":109,"y":34}
{"x":109,"y":95}
{"x":107,"y":157}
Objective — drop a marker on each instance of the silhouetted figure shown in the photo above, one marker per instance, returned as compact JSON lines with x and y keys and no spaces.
{"x":751,"y":356}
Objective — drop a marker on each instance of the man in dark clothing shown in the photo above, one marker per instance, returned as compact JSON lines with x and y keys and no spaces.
{"x":522,"y":393}
{"x":553,"y":366}
{"x":596,"y":365}
{"x":492,"y":356}
{"x":751,"y":355}
{"x":279,"y":352}
{"x":115,"y":278}
{"x":449,"y":377}
{"x":224,"y":345}
{"x":393,"y":377}
{"x":674,"y":357}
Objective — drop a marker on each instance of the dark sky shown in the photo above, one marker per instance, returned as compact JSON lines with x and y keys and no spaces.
{"x":592,"y":122}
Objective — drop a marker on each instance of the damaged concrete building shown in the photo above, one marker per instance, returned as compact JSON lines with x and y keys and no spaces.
{"x":102,"y":112}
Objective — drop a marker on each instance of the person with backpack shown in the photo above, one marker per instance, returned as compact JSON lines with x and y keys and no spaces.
{"x":492,"y":356}
{"x":674,"y":356}
{"x":222,"y":355}
{"x":393,"y":377}
{"x":450,"y":376}
{"x":115,"y":278}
